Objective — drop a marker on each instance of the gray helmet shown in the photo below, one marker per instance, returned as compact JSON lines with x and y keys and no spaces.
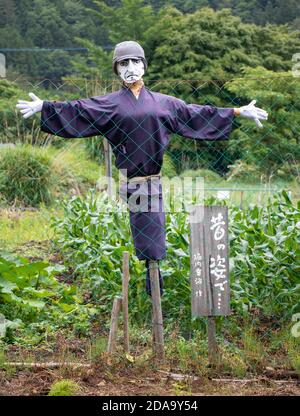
{"x":126,"y":50}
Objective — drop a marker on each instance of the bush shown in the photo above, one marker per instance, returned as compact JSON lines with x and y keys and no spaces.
{"x":35,"y":304}
{"x":242,"y":171}
{"x":288,"y":171}
{"x":9,"y":119}
{"x":74,"y":171}
{"x":207,"y":174}
{"x":95,"y":148}
{"x":26,"y":176}
{"x":168,"y":168}
{"x":30,"y":176}
{"x":13,"y":127}
{"x":63,"y":388}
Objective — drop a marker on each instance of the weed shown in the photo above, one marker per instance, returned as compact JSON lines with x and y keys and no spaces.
{"x":294,"y":354}
{"x":97,"y":347}
{"x":10,"y":370}
{"x":253,"y":349}
{"x":231,"y":362}
{"x":64,"y":388}
{"x":181,"y":388}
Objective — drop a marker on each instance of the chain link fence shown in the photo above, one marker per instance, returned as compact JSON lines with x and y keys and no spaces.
{"x":248,"y":167}
{"x":236,"y":161}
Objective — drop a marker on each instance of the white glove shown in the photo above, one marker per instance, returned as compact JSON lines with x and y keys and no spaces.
{"x":254,"y":113}
{"x":28,"y":108}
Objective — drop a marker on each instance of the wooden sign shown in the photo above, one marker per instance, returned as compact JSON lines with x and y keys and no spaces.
{"x":210,"y":262}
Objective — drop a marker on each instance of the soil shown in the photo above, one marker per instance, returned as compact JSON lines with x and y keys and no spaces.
{"x":101,"y":380}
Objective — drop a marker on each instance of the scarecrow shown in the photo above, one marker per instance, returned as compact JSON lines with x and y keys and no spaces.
{"x":137,"y":123}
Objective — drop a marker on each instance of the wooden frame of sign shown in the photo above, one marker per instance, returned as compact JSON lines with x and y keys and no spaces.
{"x":210,"y":266}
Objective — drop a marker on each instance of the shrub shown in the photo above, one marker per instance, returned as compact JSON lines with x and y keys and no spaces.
{"x":242,"y":171}
{"x":14,"y":128}
{"x":26,"y":176}
{"x":35,"y":304}
{"x":207,"y":174}
{"x":31,"y":175}
{"x":64,"y":388}
{"x":289,"y":170}
{"x":168,"y":168}
{"x":74,"y":171}
{"x":95,"y":148}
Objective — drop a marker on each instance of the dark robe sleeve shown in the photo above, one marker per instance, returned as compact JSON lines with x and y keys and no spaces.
{"x":77,"y":118}
{"x":200,"y":121}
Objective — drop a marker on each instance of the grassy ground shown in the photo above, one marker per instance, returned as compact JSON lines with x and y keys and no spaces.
{"x":251,"y":370}
{"x":26,"y":232}
{"x":100,"y":380}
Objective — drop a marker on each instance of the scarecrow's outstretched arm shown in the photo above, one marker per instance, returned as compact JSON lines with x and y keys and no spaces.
{"x":78,"y":118}
{"x":28,"y":108}
{"x":207,"y":122}
{"x":252,"y":112}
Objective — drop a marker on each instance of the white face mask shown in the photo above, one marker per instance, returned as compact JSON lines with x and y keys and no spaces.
{"x":131,"y":70}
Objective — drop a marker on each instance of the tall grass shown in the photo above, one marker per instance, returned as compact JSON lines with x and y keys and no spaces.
{"x":31,"y":176}
{"x":26,"y":176}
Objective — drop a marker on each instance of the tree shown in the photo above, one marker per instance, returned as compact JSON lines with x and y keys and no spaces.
{"x":128,"y":21}
{"x":44,"y":24}
{"x":278,"y":143}
{"x":207,"y":49}
{"x":7,"y":12}
{"x":214,"y":45}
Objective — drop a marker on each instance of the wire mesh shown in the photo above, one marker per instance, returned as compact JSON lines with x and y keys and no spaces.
{"x":175,"y":128}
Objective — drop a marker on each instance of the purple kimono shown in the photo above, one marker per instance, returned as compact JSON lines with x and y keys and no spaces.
{"x":138,"y":132}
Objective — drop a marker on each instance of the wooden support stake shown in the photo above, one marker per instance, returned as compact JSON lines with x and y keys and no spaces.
{"x":212,"y":343}
{"x":114,"y":325}
{"x":153,"y":331}
{"x":125,"y":299}
{"x":158,"y":329}
{"x":108,"y":165}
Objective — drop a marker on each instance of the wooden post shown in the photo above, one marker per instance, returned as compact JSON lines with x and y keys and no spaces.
{"x":241,"y":204}
{"x":114,"y":325}
{"x":108,"y":165}
{"x":212,"y":343}
{"x":153,"y":331}
{"x":157,"y":323}
{"x":125,"y":299}
{"x":211,"y":323}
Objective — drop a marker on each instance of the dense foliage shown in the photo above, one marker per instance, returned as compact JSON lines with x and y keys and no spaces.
{"x":34,"y":304}
{"x":26,"y":176}
{"x":205,"y":57}
{"x":264,"y":253}
{"x":59,"y":25}
{"x":275,"y":149}
{"x":32,"y":176}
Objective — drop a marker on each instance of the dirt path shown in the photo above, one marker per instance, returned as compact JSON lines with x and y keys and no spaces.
{"x":133,"y":382}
